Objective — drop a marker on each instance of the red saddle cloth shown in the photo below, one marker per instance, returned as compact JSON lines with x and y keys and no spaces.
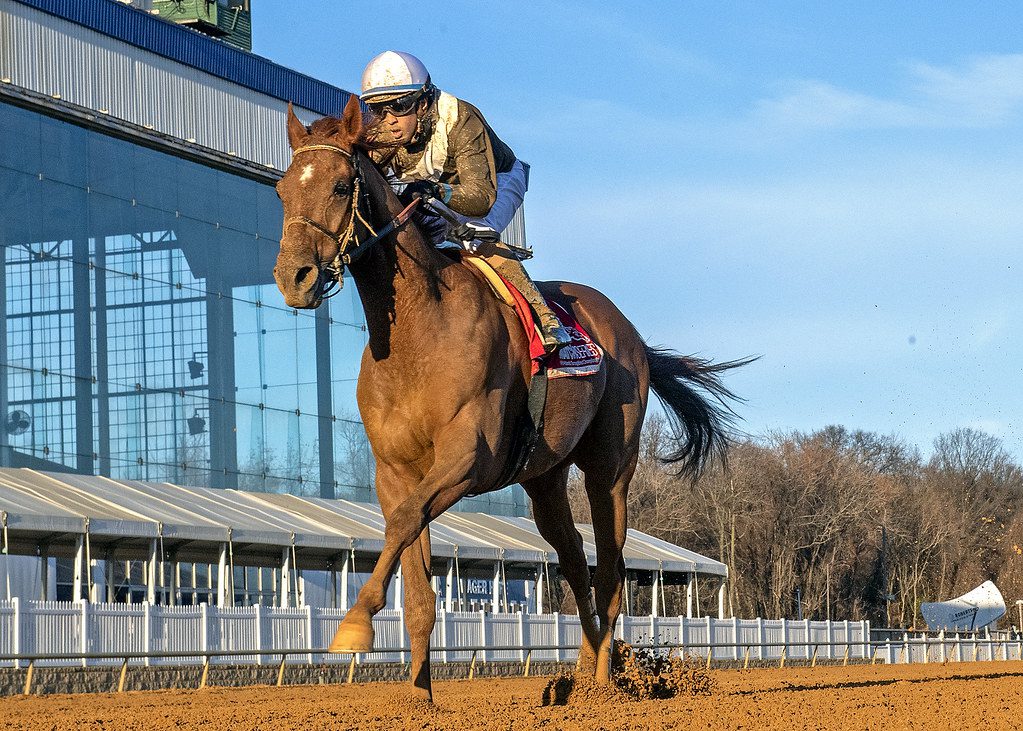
{"x":581,"y":357}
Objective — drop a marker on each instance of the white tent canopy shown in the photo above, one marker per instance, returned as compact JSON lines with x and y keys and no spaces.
{"x":48,"y":513}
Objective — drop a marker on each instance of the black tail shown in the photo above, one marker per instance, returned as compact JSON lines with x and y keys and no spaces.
{"x":702,"y":426}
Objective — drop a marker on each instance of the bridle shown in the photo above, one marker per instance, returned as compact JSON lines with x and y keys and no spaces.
{"x":350,"y":248}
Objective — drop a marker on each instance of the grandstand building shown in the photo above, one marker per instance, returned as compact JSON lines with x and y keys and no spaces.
{"x":142,"y":336}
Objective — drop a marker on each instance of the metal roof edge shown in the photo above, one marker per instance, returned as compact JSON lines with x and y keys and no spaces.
{"x":191,"y":48}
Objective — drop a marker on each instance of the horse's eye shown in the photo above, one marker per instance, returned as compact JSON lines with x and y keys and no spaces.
{"x":341,"y":188}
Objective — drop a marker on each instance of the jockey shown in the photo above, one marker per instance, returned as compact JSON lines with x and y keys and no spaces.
{"x":429,"y":142}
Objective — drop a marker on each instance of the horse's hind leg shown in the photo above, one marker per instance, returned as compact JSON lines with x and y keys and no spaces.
{"x":553,"y":517}
{"x":606,"y":488}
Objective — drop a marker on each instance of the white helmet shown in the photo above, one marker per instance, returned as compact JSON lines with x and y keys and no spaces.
{"x":393,"y":74}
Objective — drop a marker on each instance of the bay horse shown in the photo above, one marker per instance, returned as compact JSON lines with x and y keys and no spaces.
{"x":444,"y":379}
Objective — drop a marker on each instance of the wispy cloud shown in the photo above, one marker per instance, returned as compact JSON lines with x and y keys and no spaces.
{"x":985,"y":91}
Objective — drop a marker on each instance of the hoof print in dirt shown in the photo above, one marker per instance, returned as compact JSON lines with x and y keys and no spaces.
{"x":579,"y":689}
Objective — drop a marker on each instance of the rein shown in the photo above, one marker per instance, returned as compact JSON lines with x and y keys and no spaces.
{"x":350,"y":248}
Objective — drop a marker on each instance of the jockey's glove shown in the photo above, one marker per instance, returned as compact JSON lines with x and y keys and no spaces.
{"x":471,"y":235}
{"x":425,"y":188}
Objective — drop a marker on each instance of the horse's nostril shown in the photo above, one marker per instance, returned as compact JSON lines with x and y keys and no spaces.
{"x":301,"y":274}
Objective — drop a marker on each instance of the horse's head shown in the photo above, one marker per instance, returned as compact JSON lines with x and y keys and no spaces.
{"x":319,"y":193}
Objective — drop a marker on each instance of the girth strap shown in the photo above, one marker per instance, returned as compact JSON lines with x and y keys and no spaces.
{"x":528,"y":428}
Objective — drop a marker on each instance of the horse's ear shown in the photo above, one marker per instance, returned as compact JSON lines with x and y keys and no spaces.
{"x":351,"y":120}
{"x":297,"y":131}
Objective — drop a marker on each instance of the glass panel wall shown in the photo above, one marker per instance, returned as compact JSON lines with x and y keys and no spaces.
{"x":143,"y":338}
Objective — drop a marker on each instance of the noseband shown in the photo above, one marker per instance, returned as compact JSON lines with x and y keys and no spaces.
{"x":350,"y":248}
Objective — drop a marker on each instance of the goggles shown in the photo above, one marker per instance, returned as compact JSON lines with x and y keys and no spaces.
{"x":399,"y":107}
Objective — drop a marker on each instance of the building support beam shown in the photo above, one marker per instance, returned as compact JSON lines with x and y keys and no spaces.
{"x":689,"y":594}
{"x":221,"y":378}
{"x":102,"y":361}
{"x":82,"y":296}
{"x":324,"y":407}
{"x":721,"y":598}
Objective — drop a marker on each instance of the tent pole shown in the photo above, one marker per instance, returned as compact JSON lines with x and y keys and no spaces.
{"x":448,"y":589}
{"x":350,"y":557}
{"x":108,"y":577}
{"x":88,"y":563}
{"x":163,"y":569}
{"x":539,"y":589}
{"x":495,"y":594}
{"x":222,"y":576}
{"x":283,"y":599}
{"x":44,"y":573}
{"x":458,"y":580}
{"x":79,"y":559}
{"x":230,"y":565}
{"x":151,"y":572}
{"x":6,"y":554}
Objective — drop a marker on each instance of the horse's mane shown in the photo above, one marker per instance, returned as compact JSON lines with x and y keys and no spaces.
{"x":326,"y":129}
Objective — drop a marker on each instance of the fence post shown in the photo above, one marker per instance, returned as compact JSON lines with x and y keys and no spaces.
{"x":259,"y":634}
{"x":522,"y":638}
{"x":557,"y":636}
{"x":85,"y":630}
{"x":806,"y":636}
{"x":784,"y":640}
{"x":683,"y":636}
{"x":204,"y":637}
{"x":735,"y":638}
{"x":760,"y":637}
{"x":147,"y":630}
{"x":16,"y":605}
{"x":865,"y":626}
{"x":309,"y":630}
{"x":444,"y":633}
{"x":483,"y":633}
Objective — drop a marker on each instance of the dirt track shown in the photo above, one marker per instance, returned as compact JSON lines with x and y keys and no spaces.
{"x":958,"y":696}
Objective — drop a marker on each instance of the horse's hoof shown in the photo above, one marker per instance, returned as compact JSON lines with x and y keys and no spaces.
{"x":352,"y":638}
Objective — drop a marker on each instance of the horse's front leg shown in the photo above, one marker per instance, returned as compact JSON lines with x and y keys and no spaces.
{"x":420,"y":610}
{"x":454,"y":473}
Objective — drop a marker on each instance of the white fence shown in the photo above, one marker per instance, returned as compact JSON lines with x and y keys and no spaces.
{"x":31,"y":628}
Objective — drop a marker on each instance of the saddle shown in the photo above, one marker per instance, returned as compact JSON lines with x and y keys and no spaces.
{"x":581,"y":357}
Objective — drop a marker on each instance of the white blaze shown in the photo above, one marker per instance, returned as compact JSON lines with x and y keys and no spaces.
{"x":307,"y":173}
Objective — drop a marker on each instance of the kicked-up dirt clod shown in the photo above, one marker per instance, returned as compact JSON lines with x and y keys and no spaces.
{"x":636,"y":674}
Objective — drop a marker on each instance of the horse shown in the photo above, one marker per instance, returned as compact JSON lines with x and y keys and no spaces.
{"x":444,"y":381}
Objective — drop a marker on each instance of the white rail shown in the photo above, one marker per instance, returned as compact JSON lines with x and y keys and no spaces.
{"x":34,"y":628}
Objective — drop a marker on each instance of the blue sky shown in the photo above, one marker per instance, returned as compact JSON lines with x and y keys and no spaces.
{"x":834,"y":187}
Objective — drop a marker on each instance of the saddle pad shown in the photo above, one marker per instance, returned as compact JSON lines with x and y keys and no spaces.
{"x":581,"y":357}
